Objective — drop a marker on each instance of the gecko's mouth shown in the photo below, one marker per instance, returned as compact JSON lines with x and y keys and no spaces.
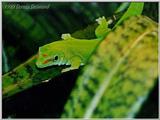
{"x":61,"y":63}
{"x":53,"y":66}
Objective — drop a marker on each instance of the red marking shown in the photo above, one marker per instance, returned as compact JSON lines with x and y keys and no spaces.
{"x":46,"y":61}
{"x":44,"y":55}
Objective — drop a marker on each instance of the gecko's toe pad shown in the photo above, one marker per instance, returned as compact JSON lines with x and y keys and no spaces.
{"x":100,"y":20}
{"x":65,"y":36}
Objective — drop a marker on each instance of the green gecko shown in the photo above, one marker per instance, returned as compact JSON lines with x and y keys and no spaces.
{"x":71,"y":51}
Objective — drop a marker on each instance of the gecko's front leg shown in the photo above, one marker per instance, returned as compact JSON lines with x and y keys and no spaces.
{"x":75,"y":64}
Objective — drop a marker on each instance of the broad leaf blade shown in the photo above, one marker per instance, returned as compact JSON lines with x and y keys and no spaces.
{"x":119,"y":75}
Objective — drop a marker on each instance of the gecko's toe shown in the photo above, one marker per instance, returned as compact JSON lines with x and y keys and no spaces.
{"x":65,"y":36}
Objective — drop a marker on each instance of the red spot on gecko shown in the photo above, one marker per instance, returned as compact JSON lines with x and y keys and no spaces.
{"x":46,"y":61}
{"x":44,"y":55}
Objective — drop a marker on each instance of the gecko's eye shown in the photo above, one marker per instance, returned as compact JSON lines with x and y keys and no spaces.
{"x":55,"y":58}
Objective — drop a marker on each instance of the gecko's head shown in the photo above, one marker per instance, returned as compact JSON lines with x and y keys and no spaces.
{"x":47,"y":57}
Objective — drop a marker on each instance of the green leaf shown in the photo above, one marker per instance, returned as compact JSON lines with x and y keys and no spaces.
{"x":25,"y":76}
{"x":135,"y":8}
{"x":122,"y":7}
{"x":120,"y":74}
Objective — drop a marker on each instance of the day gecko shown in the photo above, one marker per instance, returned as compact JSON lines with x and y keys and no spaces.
{"x":71,"y":51}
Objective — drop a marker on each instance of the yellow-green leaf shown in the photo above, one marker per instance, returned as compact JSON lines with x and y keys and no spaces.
{"x":120,"y":74}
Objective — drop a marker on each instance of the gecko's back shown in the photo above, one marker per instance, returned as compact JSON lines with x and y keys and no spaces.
{"x":81,"y":48}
